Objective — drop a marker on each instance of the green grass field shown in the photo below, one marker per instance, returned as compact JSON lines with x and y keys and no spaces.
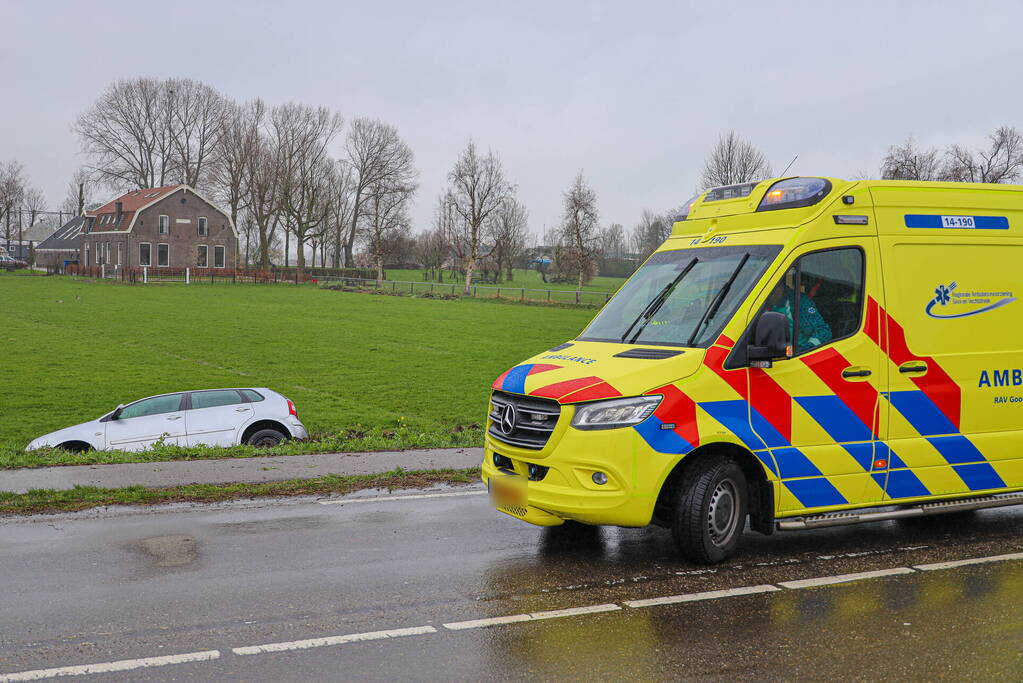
{"x":530,"y":279}
{"x":352,"y":362}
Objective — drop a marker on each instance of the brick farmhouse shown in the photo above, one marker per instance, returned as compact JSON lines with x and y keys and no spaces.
{"x":159,"y":227}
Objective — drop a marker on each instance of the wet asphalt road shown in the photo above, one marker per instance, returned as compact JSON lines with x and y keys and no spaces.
{"x":97,"y":588}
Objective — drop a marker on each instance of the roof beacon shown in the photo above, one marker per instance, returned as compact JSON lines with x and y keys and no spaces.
{"x":794,"y":192}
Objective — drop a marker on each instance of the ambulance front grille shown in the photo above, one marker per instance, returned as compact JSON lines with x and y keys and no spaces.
{"x":529,"y":424}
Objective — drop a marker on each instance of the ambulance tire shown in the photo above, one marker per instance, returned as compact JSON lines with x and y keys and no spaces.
{"x":710,"y":510}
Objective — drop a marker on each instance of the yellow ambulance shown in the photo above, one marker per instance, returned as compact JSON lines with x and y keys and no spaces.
{"x":801,"y":352}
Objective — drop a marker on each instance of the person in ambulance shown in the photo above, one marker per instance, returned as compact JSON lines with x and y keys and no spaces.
{"x":813,"y":328}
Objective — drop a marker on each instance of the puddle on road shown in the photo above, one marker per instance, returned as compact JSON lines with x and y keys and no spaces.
{"x":172,"y":551}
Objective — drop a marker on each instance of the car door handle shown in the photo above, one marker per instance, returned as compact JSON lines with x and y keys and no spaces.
{"x":849,"y":373}
{"x":241,"y":410}
{"x":174,"y":417}
{"x":913,"y":367}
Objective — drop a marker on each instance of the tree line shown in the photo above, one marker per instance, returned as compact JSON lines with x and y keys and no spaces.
{"x":298,"y":179}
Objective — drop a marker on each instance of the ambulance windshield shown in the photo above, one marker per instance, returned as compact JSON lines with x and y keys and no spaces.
{"x":681,"y":298}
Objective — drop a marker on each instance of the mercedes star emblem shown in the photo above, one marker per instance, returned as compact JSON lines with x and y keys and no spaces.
{"x":508,"y":419}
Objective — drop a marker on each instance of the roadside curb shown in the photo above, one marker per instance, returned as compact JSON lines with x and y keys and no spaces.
{"x":236,"y":470}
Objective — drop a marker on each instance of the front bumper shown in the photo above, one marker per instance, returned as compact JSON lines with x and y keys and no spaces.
{"x":567,"y":491}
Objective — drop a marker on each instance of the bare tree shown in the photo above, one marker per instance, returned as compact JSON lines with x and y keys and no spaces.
{"x":302,"y":135}
{"x":734,"y":160}
{"x":127,"y":132}
{"x":12,"y":188}
{"x":33,"y":204}
{"x":264,"y":196}
{"x":342,"y":202}
{"x":909,"y":162}
{"x":1000,"y":163}
{"x":650,"y":233}
{"x":477,"y":190}
{"x":386,"y":218}
{"x":511,"y":226}
{"x":239,"y":137}
{"x":579,"y":226}
{"x":431,"y":251}
{"x":196,"y":121}
{"x":376,"y":155}
{"x":80,"y":193}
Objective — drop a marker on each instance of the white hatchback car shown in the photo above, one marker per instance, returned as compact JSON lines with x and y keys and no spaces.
{"x":211,"y":417}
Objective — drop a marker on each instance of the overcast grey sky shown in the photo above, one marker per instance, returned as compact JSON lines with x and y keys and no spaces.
{"x":633,"y":93}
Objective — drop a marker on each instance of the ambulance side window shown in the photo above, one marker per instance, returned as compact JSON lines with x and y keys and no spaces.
{"x":828,"y":303}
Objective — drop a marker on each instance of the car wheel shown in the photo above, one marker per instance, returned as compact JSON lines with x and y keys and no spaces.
{"x":75,"y":447}
{"x":265,"y":438}
{"x":710,"y":510}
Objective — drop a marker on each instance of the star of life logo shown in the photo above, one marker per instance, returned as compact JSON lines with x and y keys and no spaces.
{"x":953,"y":302}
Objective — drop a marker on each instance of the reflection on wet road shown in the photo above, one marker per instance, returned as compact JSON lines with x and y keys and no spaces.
{"x":88,"y":589}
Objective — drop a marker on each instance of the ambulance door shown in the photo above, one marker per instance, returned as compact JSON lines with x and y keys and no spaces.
{"x":818,"y":411}
{"x":955,"y":358}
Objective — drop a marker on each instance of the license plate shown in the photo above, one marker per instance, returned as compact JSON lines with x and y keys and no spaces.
{"x":508,"y":490}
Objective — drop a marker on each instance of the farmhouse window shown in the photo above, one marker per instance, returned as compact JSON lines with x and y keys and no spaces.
{"x":163,"y":255}
{"x":218,"y":257}
{"x":204,"y":228}
{"x":145,"y":254}
{"x":87,"y":255}
{"x":164,"y":225}
{"x":204,"y":256}
{"x":119,"y":245}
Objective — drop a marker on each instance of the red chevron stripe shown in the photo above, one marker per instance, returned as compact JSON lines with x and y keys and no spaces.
{"x":678,"y":408}
{"x":497,"y":382}
{"x":593,"y":393}
{"x":937,"y":385}
{"x":861,"y":397}
{"x":542,"y":367}
{"x":559,"y":389}
{"x":768,"y":397}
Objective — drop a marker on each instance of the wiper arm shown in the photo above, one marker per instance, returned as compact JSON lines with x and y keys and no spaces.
{"x":712,"y":310}
{"x":655,"y":304}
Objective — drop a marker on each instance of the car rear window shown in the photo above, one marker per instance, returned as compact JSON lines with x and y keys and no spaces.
{"x":252,"y":396}
{"x":212,"y":399}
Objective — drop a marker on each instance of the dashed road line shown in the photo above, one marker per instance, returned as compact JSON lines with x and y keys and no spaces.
{"x":209,"y":655}
{"x":109,"y":667}
{"x":966,"y":563}
{"x":532,"y":616}
{"x":844,"y":578}
{"x":708,"y":595}
{"x":416,"y":496}
{"x":332,"y":640}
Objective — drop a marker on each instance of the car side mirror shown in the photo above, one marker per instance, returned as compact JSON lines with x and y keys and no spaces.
{"x":771,"y":340}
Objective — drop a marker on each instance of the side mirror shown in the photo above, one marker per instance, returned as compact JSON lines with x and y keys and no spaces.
{"x":771,"y":339}
{"x":117,"y":412}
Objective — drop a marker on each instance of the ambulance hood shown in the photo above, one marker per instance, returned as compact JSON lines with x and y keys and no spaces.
{"x":588,"y":371}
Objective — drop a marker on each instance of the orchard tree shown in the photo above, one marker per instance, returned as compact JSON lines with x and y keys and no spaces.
{"x":579,"y":230}
{"x":734,"y":160}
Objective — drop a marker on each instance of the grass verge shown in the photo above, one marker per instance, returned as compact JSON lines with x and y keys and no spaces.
{"x":357,"y":440}
{"x":84,"y":497}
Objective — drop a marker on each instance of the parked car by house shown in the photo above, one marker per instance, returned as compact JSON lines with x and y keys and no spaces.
{"x":210,"y":417}
{"x":8,"y":262}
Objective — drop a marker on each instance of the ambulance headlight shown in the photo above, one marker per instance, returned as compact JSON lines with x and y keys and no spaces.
{"x":619,"y":412}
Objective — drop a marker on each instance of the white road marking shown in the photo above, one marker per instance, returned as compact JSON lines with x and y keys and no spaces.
{"x":709,"y":595}
{"x":332,"y":640}
{"x":844,"y":578}
{"x":534,"y":616}
{"x":965,"y":563}
{"x":483,"y":623}
{"x":108,"y":667}
{"x":416,"y":496}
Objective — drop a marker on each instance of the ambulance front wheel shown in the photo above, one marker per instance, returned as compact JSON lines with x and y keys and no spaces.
{"x":710,"y":510}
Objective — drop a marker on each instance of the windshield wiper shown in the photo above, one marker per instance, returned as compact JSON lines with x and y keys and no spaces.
{"x":655,"y":304}
{"x":712,"y":310}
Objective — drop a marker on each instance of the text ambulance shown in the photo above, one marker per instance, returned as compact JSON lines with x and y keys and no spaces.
{"x":803,"y":352}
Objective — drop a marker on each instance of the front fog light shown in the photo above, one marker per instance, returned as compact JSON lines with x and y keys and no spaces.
{"x":619,"y":412}
{"x":599,"y":478}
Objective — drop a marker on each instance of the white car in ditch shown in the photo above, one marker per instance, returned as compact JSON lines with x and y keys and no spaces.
{"x":211,"y":417}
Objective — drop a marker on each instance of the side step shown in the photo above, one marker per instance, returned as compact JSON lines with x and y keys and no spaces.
{"x":877,"y":515}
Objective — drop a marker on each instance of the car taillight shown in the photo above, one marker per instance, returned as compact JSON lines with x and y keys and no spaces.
{"x":291,"y":407}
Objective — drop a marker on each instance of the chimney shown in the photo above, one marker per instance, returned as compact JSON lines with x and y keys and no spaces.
{"x":81,"y":199}
{"x":119,"y":209}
